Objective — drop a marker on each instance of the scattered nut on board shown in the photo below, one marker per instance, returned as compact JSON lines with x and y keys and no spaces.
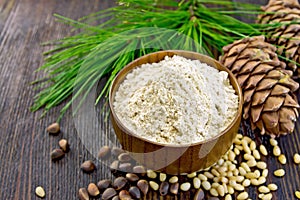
{"x":273,"y":142}
{"x":297,"y":158}
{"x":263,"y":150}
{"x":53,"y":128}
{"x":279,"y":172}
{"x":40,"y":192}
{"x":64,"y":145}
{"x":57,"y":154}
{"x":153,"y":185}
{"x":282,"y":159}
{"x":276,"y":151}
{"x":297,"y":194}
{"x":223,"y":179}
{"x":83,"y":194}
{"x":104,"y":152}
{"x":88,"y":166}
{"x":272,"y":186}
{"x":109,"y":193}
{"x":93,"y":190}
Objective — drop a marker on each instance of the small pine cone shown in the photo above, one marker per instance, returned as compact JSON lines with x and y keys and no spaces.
{"x":267,"y":86}
{"x":286,"y":36}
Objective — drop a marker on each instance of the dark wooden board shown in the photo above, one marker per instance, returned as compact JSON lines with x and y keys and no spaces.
{"x":24,"y":144}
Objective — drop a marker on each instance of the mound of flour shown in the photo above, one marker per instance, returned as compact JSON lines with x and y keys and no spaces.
{"x":176,"y":101}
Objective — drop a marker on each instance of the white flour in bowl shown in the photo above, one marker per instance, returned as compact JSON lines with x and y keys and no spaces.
{"x":176,"y":101}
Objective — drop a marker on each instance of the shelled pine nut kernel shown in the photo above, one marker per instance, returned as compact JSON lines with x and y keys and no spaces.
{"x":185,"y":186}
{"x":279,"y":172}
{"x":242,"y":196}
{"x":153,"y":185}
{"x":151,"y":174}
{"x":228,"y":197}
{"x":263,"y":150}
{"x":267,"y":196}
{"x":192,"y":175}
{"x":296,"y":158}
{"x":276,"y":151}
{"x":263,"y":189}
{"x":273,"y":142}
{"x":282,"y":159}
{"x":265,"y":172}
{"x":272,"y":187}
{"x":196,"y":183}
{"x":40,"y":192}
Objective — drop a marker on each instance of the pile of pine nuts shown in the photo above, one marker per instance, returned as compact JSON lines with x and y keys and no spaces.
{"x":242,"y":166}
{"x":228,"y":175}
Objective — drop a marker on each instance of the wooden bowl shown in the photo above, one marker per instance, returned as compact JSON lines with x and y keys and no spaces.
{"x":172,"y":158}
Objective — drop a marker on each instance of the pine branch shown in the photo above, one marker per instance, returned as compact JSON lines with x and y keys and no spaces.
{"x":77,"y":63}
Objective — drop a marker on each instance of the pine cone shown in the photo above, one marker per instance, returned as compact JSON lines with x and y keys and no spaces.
{"x":286,"y":37}
{"x":267,"y":86}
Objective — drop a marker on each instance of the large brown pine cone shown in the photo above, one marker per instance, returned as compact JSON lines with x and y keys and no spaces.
{"x":267,"y":86}
{"x":287,"y":36}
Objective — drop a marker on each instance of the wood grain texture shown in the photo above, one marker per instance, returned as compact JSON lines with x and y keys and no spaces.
{"x":24,"y":144}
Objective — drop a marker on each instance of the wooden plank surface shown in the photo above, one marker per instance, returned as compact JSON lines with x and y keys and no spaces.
{"x":24,"y":144}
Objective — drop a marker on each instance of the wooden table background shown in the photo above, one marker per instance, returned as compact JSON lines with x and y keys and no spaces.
{"x":24,"y":144}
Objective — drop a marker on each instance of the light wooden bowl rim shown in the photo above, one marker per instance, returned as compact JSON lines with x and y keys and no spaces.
{"x":116,"y":83}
